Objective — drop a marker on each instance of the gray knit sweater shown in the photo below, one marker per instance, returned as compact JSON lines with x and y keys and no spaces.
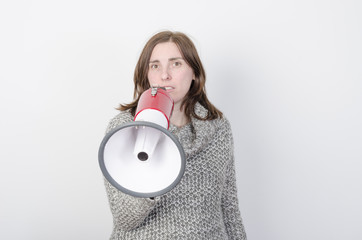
{"x":203,"y":206}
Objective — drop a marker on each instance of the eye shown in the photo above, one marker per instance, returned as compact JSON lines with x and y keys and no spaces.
{"x":177,"y":64}
{"x":154,"y":66}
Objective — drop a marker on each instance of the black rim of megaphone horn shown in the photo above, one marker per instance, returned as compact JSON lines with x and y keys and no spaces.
{"x":130,"y":192}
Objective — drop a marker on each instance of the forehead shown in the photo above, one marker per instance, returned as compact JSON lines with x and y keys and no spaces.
{"x":165,"y":50}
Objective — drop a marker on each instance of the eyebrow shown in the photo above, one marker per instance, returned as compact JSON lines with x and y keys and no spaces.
{"x":170,"y":59}
{"x":175,"y":58}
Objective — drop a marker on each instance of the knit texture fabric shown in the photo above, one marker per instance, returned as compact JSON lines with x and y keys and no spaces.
{"x":203,"y":206}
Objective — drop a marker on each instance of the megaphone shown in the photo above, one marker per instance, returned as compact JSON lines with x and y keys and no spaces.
{"x":142,"y":158}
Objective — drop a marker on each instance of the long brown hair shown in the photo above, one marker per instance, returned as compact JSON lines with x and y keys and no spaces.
{"x":197,"y":92}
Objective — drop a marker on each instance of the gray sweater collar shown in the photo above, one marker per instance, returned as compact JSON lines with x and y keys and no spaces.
{"x":200,"y":131}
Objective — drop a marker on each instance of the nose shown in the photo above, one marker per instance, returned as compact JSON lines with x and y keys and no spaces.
{"x":165,"y":75}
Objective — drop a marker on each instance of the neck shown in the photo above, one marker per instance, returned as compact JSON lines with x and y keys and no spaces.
{"x":178,"y":117}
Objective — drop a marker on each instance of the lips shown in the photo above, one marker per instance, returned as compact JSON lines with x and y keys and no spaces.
{"x":169,"y":88}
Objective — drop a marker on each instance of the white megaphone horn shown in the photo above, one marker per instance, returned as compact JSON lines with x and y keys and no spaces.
{"x":142,"y":158}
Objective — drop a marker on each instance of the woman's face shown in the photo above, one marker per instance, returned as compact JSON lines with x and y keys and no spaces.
{"x":168,"y":69}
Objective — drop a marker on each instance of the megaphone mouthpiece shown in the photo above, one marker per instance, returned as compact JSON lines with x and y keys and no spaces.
{"x":155,"y":105}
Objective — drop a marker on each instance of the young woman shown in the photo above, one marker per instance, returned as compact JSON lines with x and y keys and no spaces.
{"x":204,"y":204}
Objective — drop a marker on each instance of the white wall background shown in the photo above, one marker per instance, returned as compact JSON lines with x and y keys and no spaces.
{"x":287,"y":74}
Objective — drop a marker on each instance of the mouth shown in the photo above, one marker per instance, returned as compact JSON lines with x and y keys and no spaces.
{"x":165,"y":87}
{"x":168,"y":88}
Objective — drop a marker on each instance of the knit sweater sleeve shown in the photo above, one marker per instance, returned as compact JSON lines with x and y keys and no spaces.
{"x":232,"y":217}
{"x":128,"y":211}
